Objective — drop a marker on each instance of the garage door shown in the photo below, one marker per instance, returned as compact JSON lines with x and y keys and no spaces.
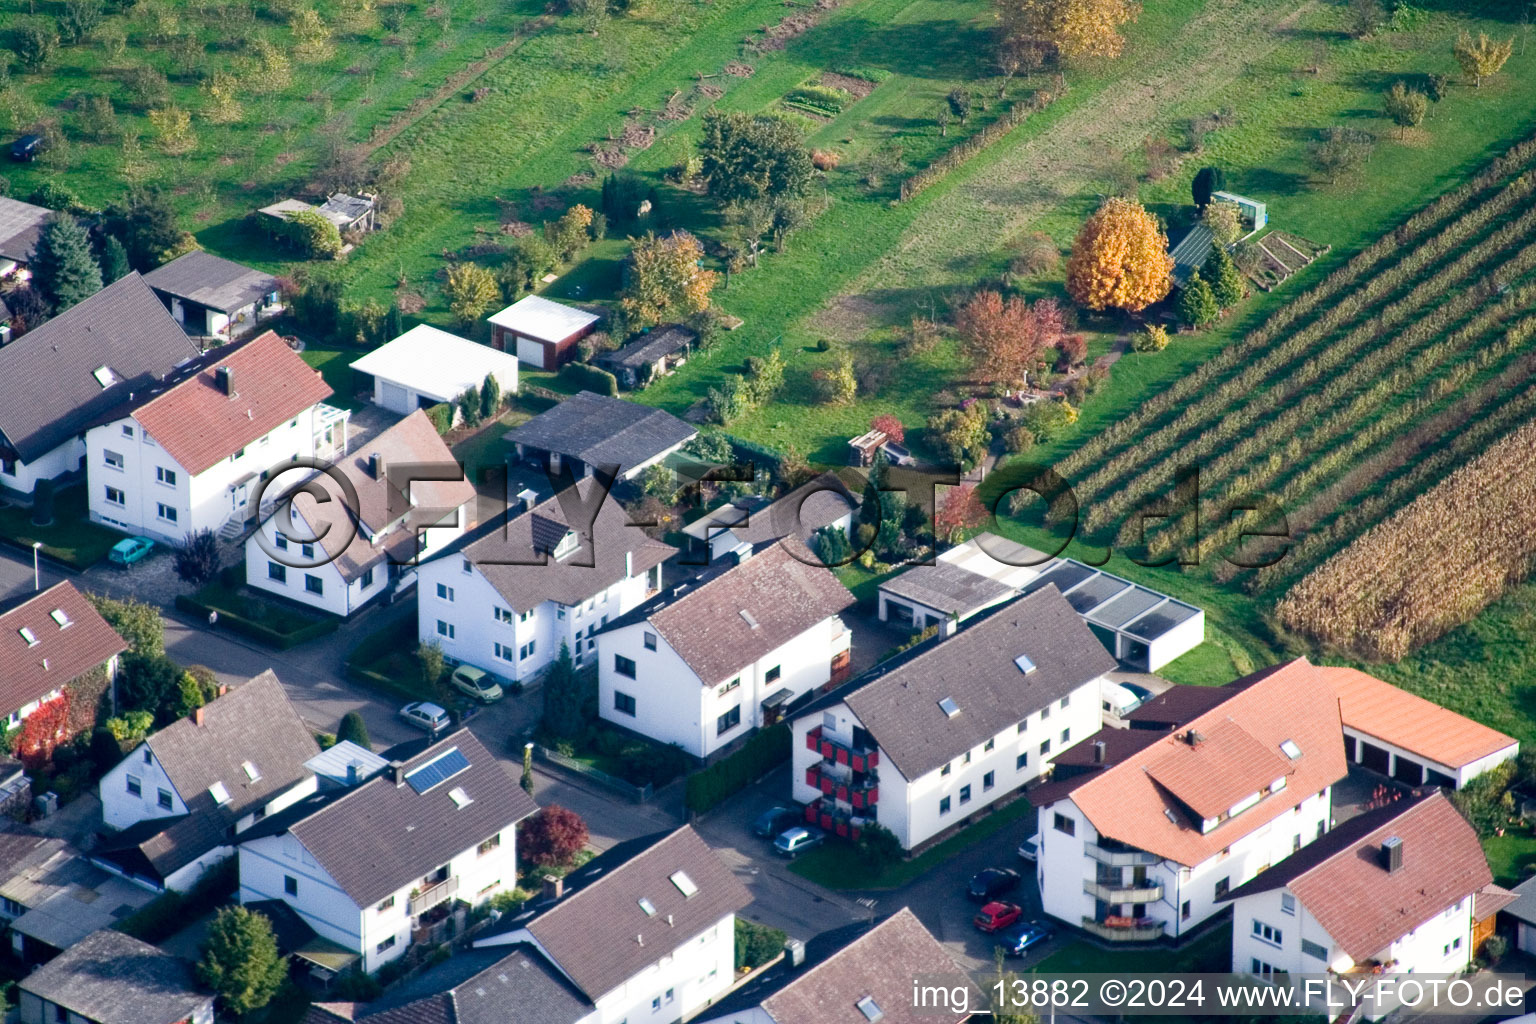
{"x":531,"y":352}
{"x":395,"y":398}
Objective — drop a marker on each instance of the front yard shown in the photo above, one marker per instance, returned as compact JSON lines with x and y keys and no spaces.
{"x":72,"y":538}
{"x":266,"y":621}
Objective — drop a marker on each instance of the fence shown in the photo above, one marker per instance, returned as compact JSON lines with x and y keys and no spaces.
{"x":1017,"y":114}
{"x":639,"y":794}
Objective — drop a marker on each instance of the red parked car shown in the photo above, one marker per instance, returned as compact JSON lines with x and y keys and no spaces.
{"x":995,"y":916}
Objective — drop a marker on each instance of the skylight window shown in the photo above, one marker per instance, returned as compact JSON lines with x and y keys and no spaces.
{"x":220,"y":793}
{"x":1025,"y":663}
{"x":747,"y":617}
{"x":647,"y":906}
{"x":251,"y":771}
{"x":684,"y":883}
{"x":869,"y":1008}
{"x":460,"y":798}
{"x":27,"y":635}
{"x":60,"y":617}
{"x":949,"y":707}
{"x":1290,"y":749}
{"x":104,"y":376}
{"x":567,"y":544}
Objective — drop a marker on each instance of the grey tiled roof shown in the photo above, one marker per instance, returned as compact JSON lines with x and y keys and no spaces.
{"x":20,"y":224}
{"x":112,"y":978}
{"x":946,"y":587}
{"x":499,"y":985}
{"x":122,"y":327}
{"x":648,"y":348}
{"x":603,"y":431}
{"x":211,"y":281}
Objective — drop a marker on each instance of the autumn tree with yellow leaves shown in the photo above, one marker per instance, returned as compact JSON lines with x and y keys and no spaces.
{"x":1076,"y":28}
{"x":666,"y":281}
{"x":1482,"y":57}
{"x":1120,"y":259}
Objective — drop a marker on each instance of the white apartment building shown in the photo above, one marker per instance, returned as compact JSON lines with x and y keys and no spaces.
{"x":719,"y":656}
{"x":505,"y":597}
{"x":190,"y":453}
{"x":925,"y":740}
{"x":1145,"y":830}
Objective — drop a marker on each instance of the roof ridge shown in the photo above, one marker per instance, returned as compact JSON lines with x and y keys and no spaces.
{"x":611,"y":872}
{"x":1412,"y":803}
{"x":195,"y":367}
{"x":866,"y":934}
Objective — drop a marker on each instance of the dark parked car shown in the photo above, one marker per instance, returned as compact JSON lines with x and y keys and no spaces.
{"x":773,"y":821}
{"x":1018,"y":940}
{"x":993,"y":882}
{"x":26,"y":148}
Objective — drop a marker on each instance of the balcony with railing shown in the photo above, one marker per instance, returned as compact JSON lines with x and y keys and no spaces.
{"x":1144,"y":893}
{"x":828,"y":817}
{"x":1125,"y":929}
{"x":857,"y":758}
{"x":857,"y":789}
{"x":423,"y":900}
{"x":1119,"y":855}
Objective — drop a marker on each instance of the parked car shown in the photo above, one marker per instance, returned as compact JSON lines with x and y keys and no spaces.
{"x":1018,"y":940}
{"x":1117,"y":699}
{"x":993,"y":882}
{"x":129,"y":550}
{"x":1029,"y":849}
{"x":996,"y":916}
{"x":476,"y":683}
{"x":424,"y":715}
{"x":797,"y":840}
{"x":1141,"y":693}
{"x":774,"y":820}
{"x":27,"y":148}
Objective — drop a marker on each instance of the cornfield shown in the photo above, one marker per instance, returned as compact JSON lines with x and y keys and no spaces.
{"x":1433,"y":565}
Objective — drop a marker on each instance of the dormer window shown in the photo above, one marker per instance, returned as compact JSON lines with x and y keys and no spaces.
{"x":567,"y":544}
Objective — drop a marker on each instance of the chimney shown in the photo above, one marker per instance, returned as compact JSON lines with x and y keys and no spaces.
{"x":1392,"y":854}
{"x":554,"y":887}
{"x":397,"y":773}
{"x":225,"y":377}
{"x":223,"y":689}
{"x":1193,"y":738}
{"x":352,"y":774}
{"x":376,"y":466}
{"x":1098,"y":751}
{"x":948,"y":625}
{"x":794,"y":952}
{"x":197,"y":717}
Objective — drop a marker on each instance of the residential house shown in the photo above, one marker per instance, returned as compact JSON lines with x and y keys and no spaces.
{"x":20,"y":225}
{"x":181,"y":797}
{"x":1521,"y":915}
{"x":588,"y":432}
{"x":1143,"y":831}
{"x":112,"y":978}
{"x":52,"y":896}
{"x":211,"y":297}
{"x":505,"y":597}
{"x":655,"y":354}
{"x":190,"y":453}
{"x":925,"y":739}
{"x":51,"y":642}
{"x":541,"y":332}
{"x":338,"y":558}
{"x":705,"y":663}
{"x":856,"y":974}
{"x":1392,"y":891}
{"x":426,"y":367}
{"x":386,"y":863}
{"x":645,"y":932}
{"x":749,"y":522}
{"x":1394,"y":733}
{"x":118,"y":342}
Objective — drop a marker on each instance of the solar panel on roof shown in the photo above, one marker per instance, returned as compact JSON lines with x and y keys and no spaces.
{"x":438,"y":771}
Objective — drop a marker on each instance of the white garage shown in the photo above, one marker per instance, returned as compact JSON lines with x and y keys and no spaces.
{"x":425,"y":366}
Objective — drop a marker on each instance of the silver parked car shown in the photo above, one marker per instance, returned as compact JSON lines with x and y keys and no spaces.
{"x":424,"y":715}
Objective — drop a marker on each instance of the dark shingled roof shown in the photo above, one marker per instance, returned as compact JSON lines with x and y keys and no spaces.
{"x":898,"y":701}
{"x":20,"y":225}
{"x":378,"y":836}
{"x":62,"y":652}
{"x":862,"y":960}
{"x":122,"y":327}
{"x":112,"y":978}
{"x":1343,"y":881}
{"x":733,"y":614}
{"x":648,"y":348}
{"x":483,"y":986}
{"x":947,"y":587}
{"x":504,"y":550}
{"x":211,"y":281}
{"x":603,"y":431}
{"x":597,"y":933}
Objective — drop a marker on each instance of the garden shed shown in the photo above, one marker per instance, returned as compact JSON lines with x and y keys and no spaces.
{"x":541,"y":332}
{"x":654,"y":354}
{"x":425,"y":366}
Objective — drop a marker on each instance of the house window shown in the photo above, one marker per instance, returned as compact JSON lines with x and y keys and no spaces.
{"x":988,"y":745}
{"x":314,"y":584}
{"x":165,"y":476}
{"x":650,"y":641}
{"x":11,"y":907}
{"x":7,"y":467}
{"x":388,"y":943}
{"x":1045,"y":747}
{"x":1314,"y":950}
{"x":1065,"y":825}
{"x":772,"y":675}
{"x":523,"y":617}
{"x":1223,"y":885}
{"x":1021,"y":762}
{"x":445,"y":629}
{"x":308,"y":550}
{"x":385,"y":904}
{"x":60,"y":1014}
{"x":112,"y":458}
{"x":277,"y":571}
{"x":526,"y":651}
{"x":290,"y":885}
{"x":1066,"y":700}
{"x":1045,"y":712}
{"x":1267,"y":933}
{"x":445,"y":592}
{"x":669,"y":995}
{"x":135,"y":786}
{"x":967,"y":758}
{"x":623,"y":703}
{"x":493,"y":843}
{"x":367,"y":578}
{"x":148,"y":757}
{"x":1184,"y":911}
{"x":560,"y":611}
{"x":280,"y":540}
{"x":624,"y":666}
{"x":655,"y":1004}
{"x":465,"y":566}
{"x":944,"y":805}
{"x":988,"y":780}
{"x":948,"y":767}
{"x":728,"y":721}
{"x":1262,"y":969}
{"x":115,"y":496}
{"x":1022,"y":726}
{"x":164,"y":799}
{"x":503,"y":651}
{"x":1287,"y":903}
{"x":728,"y":687}
{"x":1453,"y":945}
{"x":503,"y":615}
{"x":965,"y":794}
{"x":166,"y":512}
{"x":1066,"y":736}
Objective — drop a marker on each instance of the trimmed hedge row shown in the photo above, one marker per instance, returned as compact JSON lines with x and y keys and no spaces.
{"x":590,"y":378}
{"x":170,"y":912}
{"x":761,"y":754}
{"x":1016,"y":115}
{"x":236,"y":623}
{"x":756,"y":453}
{"x":441,"y":416}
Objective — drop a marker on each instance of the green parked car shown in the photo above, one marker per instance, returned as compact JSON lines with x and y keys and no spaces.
{"x":129,"y":550}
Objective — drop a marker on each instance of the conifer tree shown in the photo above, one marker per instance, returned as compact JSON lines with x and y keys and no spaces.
{"x":63,"y":267}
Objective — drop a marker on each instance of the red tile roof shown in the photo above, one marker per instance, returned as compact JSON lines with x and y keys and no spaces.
{"x":1287,"y":702}
{"x":1421,"y":727}
{"x":198,"y":424}
{"x":61,"y":653}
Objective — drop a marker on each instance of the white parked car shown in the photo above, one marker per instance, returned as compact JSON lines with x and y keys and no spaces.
{"x":1029,"y":849}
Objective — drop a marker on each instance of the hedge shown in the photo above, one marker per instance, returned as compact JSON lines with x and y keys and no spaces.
{"x":170,"y":912}
{"x":723,"y":779}
{"x":255,"y":630}
{"x":756,"y":453}
{"x":441,"y":416}
{"x":590,"y":378}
